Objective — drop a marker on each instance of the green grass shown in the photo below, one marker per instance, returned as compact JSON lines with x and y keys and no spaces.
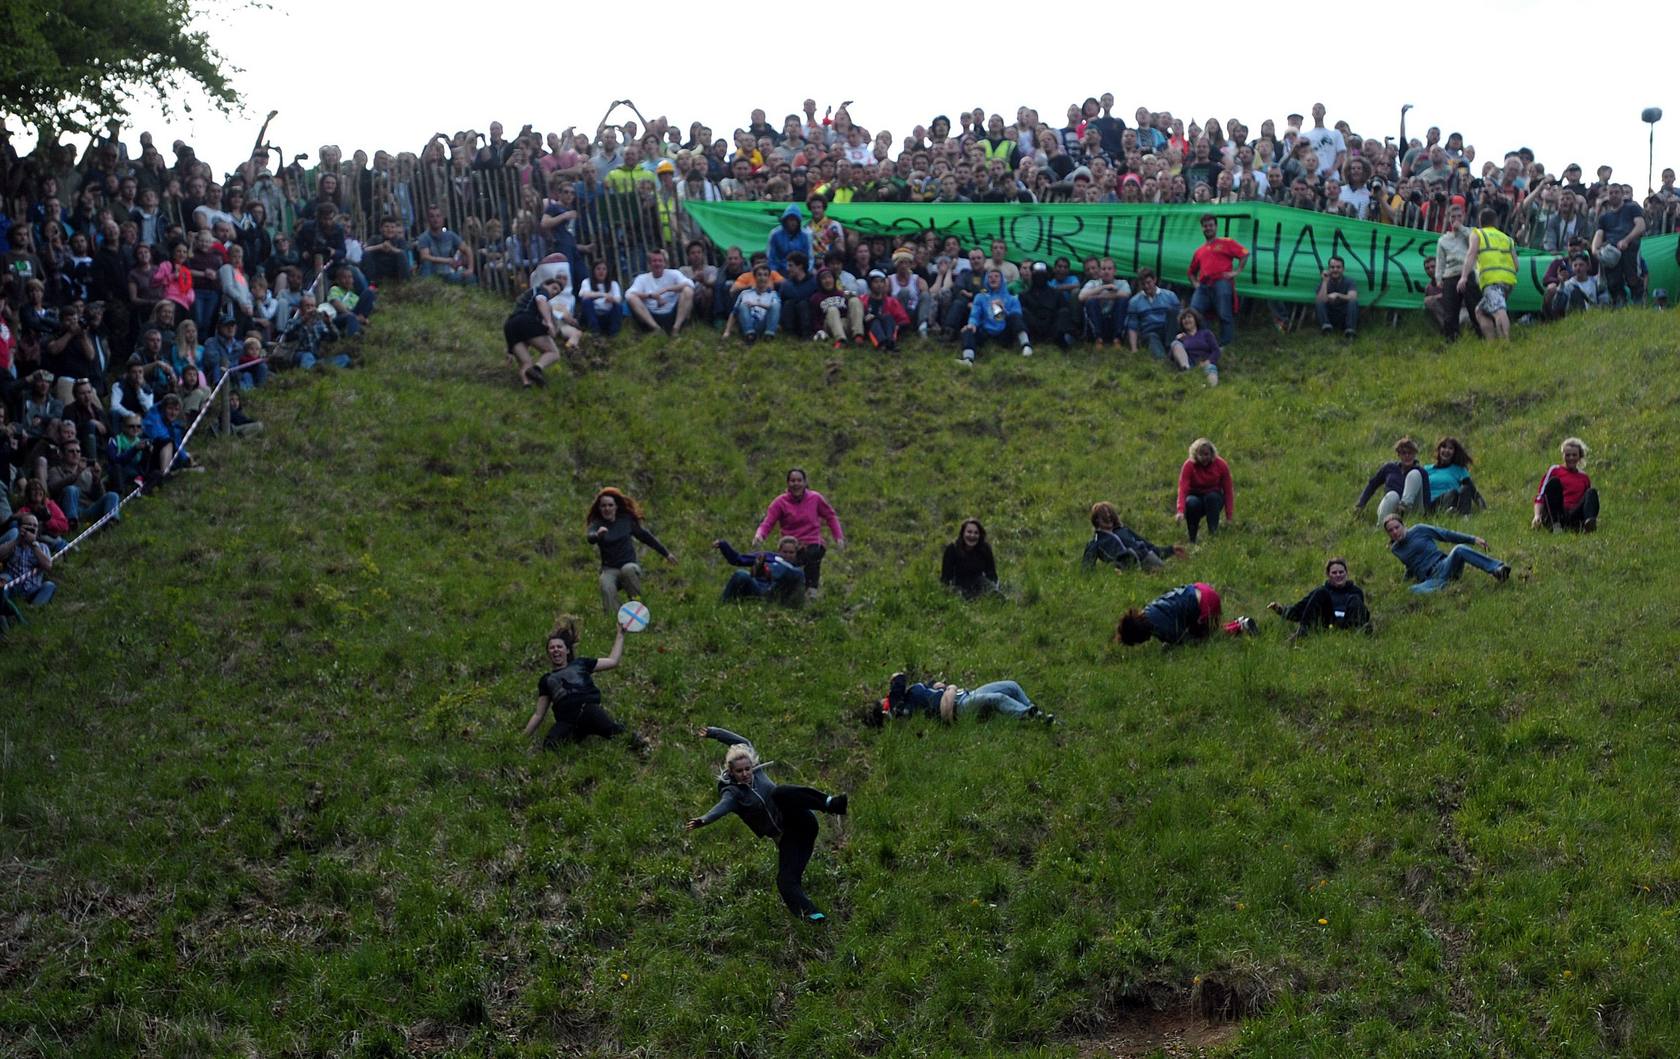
{"x":263,"y":791}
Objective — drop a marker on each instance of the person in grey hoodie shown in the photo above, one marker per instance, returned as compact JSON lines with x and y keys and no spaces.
{"x":779,"y":812}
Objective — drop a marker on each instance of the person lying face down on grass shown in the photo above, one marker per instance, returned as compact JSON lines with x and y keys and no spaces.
{"x":1427,"y":565}
{"x":1179,"y":615}
{"x":1336,"y":604}
{"x":948,"y":702}
{"x":776,"y":575}
{"x":1112,"y":542}
{"x":569,"y":690}
{"x":776,"y":811}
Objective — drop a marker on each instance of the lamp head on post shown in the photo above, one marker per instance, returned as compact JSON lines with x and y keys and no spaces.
{"x":1650,"y":116}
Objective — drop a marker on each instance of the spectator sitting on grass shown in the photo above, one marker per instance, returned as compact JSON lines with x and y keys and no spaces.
{"x":967,"y":565}
{"x":1151,"y":314}
{"x":758,"y":309}
{"x":351,"y":308}
{"x":661,"y":298}
{"x":1104,"y":300}
{"x":163,"y":428}
{"x":126,"y":455}
{"x":442,"y":253}
{"x":27,"y":562}
{"x":33,"y":500}
{"x":600,"y":301}
{"x":1405,"y":485}
{"x":1336,"y":604}
{"x":1112,"y":542}
{"x":1337,"y":303}
{"x":308,"y":333}
{"x":995,"y":315}
{"x":883,"y":316}
{"x":775,"y":575}
{"x":77,"y":482}
{"x":1195,"y":344}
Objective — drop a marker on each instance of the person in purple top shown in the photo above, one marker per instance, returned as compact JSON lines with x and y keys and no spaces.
{"x":802,"y":513}
{"x":1195,"y":344}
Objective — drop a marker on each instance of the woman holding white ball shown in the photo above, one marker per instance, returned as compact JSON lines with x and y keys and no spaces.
{"x":569,"y":690}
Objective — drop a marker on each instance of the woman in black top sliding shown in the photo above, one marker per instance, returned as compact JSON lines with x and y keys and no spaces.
{"x":776,"y":811}
{"x":968,"y":566}
{"x":1336,"y":604}
{"x":613,"y":520}
{"x":569,"y":690}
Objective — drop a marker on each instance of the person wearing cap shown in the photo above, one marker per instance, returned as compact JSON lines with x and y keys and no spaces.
{"x":883,"y":316}
{"x":1492,"y":260}
{"x":222,"y":349}
{"x":1214,"y":268}
{"x":1621,"y":225}
{"x":911,"y":290}
{"x":1047,"y":311}
{"x":996,"y":315}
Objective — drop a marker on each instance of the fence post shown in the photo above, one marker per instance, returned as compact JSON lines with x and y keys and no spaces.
{"x":227,"y":406}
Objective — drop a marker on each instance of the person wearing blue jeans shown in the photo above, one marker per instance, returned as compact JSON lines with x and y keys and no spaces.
{"x":1337,"y":303}
{"x":758,"y":309}
{"x":775,"y":575}
{"x":947,"y":701}
{"x":1427,"y":564}
{"x":1104,"y":300}
{"x":84,"y":511}
{"x":1214,"y":268}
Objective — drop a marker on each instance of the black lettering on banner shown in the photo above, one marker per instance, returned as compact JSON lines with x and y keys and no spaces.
{"x":1392,"y":261}
{"x":1159,"y":243}
{"x":1342,"y":248}
{"x":1307,"y":238}
{"x":1052,"y":237}
{"x":1536,"y":277}
{"x":1014,"y":237}
{"x":1274,"y":249}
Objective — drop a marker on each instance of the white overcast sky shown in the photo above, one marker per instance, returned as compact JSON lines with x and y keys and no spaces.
{"x":386,"y":75}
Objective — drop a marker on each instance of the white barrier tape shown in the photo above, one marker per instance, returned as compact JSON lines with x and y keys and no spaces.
{"x":123,"y":502}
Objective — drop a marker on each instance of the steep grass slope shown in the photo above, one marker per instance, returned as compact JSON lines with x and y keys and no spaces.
{"x":262,"y":788}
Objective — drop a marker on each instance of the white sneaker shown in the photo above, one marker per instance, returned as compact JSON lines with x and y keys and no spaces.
{"x":967,"y":362}
{"x":921,"y":328}
{"x":820,"y":336}
{"x":1026,"y":351}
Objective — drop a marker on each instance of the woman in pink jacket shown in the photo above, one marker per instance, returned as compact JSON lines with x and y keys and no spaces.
{"x":802,"y":513}
{"x":1204,"y":487}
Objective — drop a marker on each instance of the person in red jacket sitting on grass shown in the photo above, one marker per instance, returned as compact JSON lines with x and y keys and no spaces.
{"x":1204,"y":486}
{"x":1567,"y":499}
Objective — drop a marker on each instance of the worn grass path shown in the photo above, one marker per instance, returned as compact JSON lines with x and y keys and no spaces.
{"x":262,"y":790}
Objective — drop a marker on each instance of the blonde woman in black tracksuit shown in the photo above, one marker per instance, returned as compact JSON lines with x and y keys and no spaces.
{"x":779,"y":812}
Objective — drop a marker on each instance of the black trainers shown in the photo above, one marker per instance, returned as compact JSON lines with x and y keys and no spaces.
{"x":1502,"y":574}
{"x":897,"y":693}
{"x":1590,"y":526}
{"x":836,"y":804}
{"x":639,"y":744}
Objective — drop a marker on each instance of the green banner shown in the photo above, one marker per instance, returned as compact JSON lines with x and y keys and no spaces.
{"x":1287,"y":247}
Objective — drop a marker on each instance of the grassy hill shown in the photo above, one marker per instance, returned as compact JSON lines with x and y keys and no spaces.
{"x":263,"y":791}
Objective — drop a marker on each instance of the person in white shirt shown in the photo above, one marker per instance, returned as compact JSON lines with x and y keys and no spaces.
{"x":661,"y":299}
{"x":1328,"y":144}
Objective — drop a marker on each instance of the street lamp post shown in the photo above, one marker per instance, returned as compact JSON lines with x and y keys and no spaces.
{"x":1650,"y":116}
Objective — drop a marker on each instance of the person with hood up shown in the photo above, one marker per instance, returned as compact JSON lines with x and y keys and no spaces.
{"x":995,"y":315}
{"x":790,"y":235}
{"x":1045,"y":309}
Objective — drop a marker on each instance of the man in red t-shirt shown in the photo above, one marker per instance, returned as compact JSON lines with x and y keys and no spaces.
{"x":1214,"y":268}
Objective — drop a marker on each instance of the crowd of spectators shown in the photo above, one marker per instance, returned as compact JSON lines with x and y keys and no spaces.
{"x":132,"y":280}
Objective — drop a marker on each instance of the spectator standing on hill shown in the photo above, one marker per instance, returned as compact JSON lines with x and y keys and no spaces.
{"x":1151,"y":315}
{"x":1204,"y":487}
{"x":1621,"y":225}
{"x":614,"y":519}
{"x":569,"y":690}
{"x":1492,"y":259}
{"x":661,"y":298}
{"x":1214,"y":268}
{"x":1337,"y":303}
{"x":1458,"y":283}
{"x":776,"y":811}
{"x":1427,"y":565}
{"x":1336,"y":604}
{"x":1567,"y":499}
{"x":802,"y":513}
{"x":1405,"y":485}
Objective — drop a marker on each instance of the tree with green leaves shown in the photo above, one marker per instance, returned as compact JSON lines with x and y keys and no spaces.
{"x":70,"y":65}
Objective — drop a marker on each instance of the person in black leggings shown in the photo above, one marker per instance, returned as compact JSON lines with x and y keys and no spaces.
{"x":779,"y":812}
{"x":569,"y":690}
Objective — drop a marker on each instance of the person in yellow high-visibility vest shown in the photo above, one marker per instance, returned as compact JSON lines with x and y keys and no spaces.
{"x":1492,"y":259}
